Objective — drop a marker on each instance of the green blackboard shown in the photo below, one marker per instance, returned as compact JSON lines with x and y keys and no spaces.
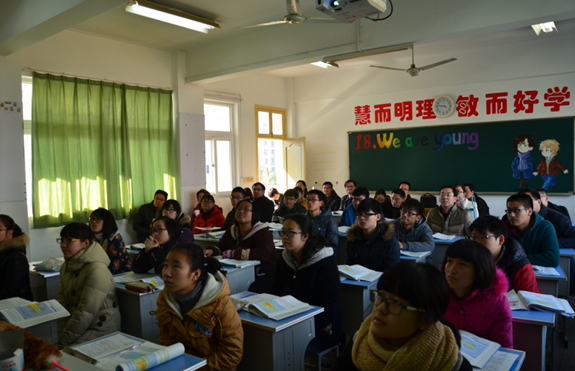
{"x":482,"y":154}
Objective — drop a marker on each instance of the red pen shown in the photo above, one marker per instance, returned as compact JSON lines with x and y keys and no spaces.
{"x":54,"y":363}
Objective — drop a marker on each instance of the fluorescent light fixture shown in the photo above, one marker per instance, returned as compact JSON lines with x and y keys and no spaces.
{"x":545,"y":27}
{"x":170,"y":15}
{"x":321,"y":64}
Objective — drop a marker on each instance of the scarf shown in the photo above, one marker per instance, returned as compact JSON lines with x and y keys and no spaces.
{"x":432,"y":349}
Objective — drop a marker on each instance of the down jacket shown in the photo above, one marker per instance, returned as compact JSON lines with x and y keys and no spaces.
{"x":418,"y":239}
{"x":325,"y":225}
{"x":519,"y":272}
{"x":485,"y":313}
{"x":457,"y":222}
{"x":87,"y":291}
{"x":212,"y":329}
{"x":215,"y":218}
{"x":376,"y":252}
{"x":14,"y":269}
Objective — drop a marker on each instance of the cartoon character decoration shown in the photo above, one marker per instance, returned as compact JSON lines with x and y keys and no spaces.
{"x":550,"y":165}
{"x":523,"y":165}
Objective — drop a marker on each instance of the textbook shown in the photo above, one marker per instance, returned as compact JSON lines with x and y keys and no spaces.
{"x":157,"y":281}
{"x":342,"y":229}
{"x":414,"y":254}
{"x":358,"y":273}
{"x":548,"y":271}
{"x":269,"y":306}
{"x":28,"y":315}
{"x":525,"y":300}
{"x":441,"y":236}
{"x":476,"y":350}
{"x":239,"y":263}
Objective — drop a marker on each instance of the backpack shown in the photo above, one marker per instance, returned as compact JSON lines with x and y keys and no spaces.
{"x":428,"y":201}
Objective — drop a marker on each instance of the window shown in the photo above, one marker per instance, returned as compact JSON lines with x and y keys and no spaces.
{"x":220,"y":121}
{"x":270,"y":135}
{"x":27,"y":116}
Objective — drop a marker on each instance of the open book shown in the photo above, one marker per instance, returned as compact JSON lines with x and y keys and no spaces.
{"x":548,"y":271}
{"x":269,"y":306}
{"x":239,"y":263}
{"x":441,"y":236}
{"x":476,"y":350}
{"x":525,"y":300}
{"x":28,"y":315}
{"x":358,"y":273}
{"x":157,"y":281}
{"x":415,"y":254}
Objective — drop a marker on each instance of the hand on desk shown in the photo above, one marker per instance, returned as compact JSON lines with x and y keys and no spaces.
{"x":151,"y":243}
{"x":400,"y":245}
{"x":208,"y":253}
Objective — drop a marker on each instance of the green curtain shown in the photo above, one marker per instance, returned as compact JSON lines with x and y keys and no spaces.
{"x":98,"y":144}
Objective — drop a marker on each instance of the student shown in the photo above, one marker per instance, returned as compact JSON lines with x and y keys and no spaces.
{"x":248,"y":195}
{"x":448,"y":218}
{"x":308,"y":272}
{"x":237,"y":195}
{"x":411,"y":231}
{"x":173,"y":210}
{"x":332,"y":200}
{"x":391,"y":210}
{"x":507,"y":253}
{"x":14,"y":266}
{"x":195,"y":309}
{"x":249,"y":239}
{"x":405,"y":187}
{"x":348,"y":217}
{"x":301,"y":183}
{"x":147,"y":213}
{"x":478,"y":303}
{"x":301,"y":197}
{"x":276,"y":197}
{"x":470,"y":194}
{"x":86,"y":288}
{"x":381,"y":196}
{"x":535,"y":234}
{"x":371,"y":243}
{"x":346,"y":200}
{"x":405,"y":330}
{"x":165,"y":233}
{"x":211,"y":215}
{"x":323,"y":224}
{"x":265,"y":205}
{"x":289,"y":207}
{"x":199,"y":195}
{"x":462,"y":201}
{"x":106,"y":233}
{"x":545,"y":201}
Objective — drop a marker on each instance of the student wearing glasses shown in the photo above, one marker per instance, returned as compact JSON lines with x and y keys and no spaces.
{"x":173,"y":210}
{"x":348,"y":217}
{"x":165,"y":233}
{"x":308,"y":272}
{"x":507,"y":253}
{"x":86,"y":288}
{"x":411,"y":231}
{"x":406,"y":329}
{"x":323,"y":223}
{"x":346,"y":200}
{"x":289,"y":207}
{"x":392,"y":209}
{"x":370,"y":242}
{"x":147,"y":213}
{"x":448,"y":218}
{"x":106,"y":233}
{"x":211,"y":215}
{"x":535,"y":234}
{"x":14,"y":267}
{"x":238,"y":194}
{"x":199,"y":195}
{"x":332,"y":200}
{"x":249,"y":239}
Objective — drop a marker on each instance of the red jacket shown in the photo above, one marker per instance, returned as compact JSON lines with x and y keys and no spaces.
{"x":215,"y":219}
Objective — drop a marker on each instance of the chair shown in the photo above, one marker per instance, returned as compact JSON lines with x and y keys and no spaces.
{"x":317,"y":365}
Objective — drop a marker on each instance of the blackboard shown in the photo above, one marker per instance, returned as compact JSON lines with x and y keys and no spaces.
{"x":433,"y":156}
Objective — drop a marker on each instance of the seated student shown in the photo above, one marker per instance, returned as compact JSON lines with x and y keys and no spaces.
{"x":405,"y":187}
{"x":478,"y":303}
{"x":369,"y":242}
{"x":348,"y":216}
{"x":147,"y":213}
{"x":545,"y":201}
{"x":346,"y":200}
{"x":14,"y":266}
{"x":276,"y":197}
{"x":301,"y":197}
{"x":405,"y":330}
{"x":391,"y":210}
{"x":289,"y":207}
{"x":265,"y":205}
{"x":106,"y":233}
{"x":448,"y":218}
{"x":86,"y":288}
{"x":535,"y":234}
{"x":173,"y":210}
{"x":507,"y":253}
{"x":411,"y":231}
{"x":249,"y":239}
{"x":211,"y":215}
{"x":308,"y":272}
{"x":164,"y":234}
{"x":381,"y":196}
{"x":323,"y":224}
{"x":301,"y":184}
{"x":237,"y":195}
{"x":462,"y":201}
{"x":332,"y":200}
{"x":248,"y":195}
{"x":195,"y":309}
{"x":199,"y":195}
{"x":470,"y":194}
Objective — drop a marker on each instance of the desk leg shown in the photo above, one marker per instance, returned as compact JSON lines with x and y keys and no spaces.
{"x":531,"y":338}
{"x":355,"y":307}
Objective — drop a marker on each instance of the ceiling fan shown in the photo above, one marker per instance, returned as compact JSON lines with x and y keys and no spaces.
{"x":295,"y":16}
{"x":414,"y":71}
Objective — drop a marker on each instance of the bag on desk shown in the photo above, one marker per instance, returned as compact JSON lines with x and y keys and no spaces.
{"x":140,"y":286}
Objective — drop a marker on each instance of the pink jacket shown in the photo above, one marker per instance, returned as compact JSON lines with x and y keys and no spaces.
{"x":485,"y":313}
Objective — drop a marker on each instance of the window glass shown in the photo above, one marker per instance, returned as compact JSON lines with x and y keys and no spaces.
{"x":224,"y":151}
{"x":217,"y":118}
{"x":210,"y":174}
{"x":277,"y":124}
{"x":263,"y":123}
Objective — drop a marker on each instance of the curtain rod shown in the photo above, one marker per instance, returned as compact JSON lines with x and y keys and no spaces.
{"x":28,"y":69}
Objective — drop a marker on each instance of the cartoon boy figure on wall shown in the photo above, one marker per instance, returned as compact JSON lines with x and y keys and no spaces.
{"x":550,"y":165}
{"x":523,"y":165}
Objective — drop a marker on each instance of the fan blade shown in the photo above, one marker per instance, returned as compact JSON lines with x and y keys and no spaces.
{"x":265,"y":24}
{"x":388,"y":68}
{"x":293,"y":7}
{"x":437,"y":64}
{"x":321,"y":20}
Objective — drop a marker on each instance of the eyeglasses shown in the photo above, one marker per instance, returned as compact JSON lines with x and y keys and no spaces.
{"x":157,"y":230}
{"x":481,"y":238}
{"x":289,"y":199}
{"x":408,"y":213}
{"x":392,"y":306}
{"x":67,"y":241}
{"x":170,"y":210}
{"x":288,"y":234}
{"x":258,"y":189}
{"x":514,"y":211}
{"x":446,"y":194}
{"x":94,"y":219}
{"x":243,"y":210}
{"x":365,"y":215}
{"x":312,"y":200}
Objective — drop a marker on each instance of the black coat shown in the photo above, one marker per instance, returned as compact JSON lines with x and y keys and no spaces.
{"x":560,"y":208}
{"x":266,"y":207}
{"x":332,"y":202}
{"x":14,"y":269}
{"x":377,"y":252}
{"x":482,"y":207}
{"x":144,"y":217}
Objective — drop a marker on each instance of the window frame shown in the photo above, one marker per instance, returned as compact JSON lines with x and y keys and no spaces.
{"x":282,"y":137}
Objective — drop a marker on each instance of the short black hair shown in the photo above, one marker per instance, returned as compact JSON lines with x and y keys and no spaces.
{"x":273,"y":192}
{"x":77,"y":230}
{"x":248,"y":193}
{"x":448,"y":186}
{"x":173,"y":227}
{"x":381,"y":191}
{"x":256,"y":212}
{"x":542,"y":191}
{"x":489,"y":223}
{"x":298,"y":190}
{"x":291,"y":193}
{"x":239,"y":190}
{"x":413,"y":205}
{"x":350,"y":181}
{"x":360,"y":191}
{"x":533,"y":192}
{"x":313,"y":243}
{"x":161,"y":192}
{"x":404,"y":182}
{"x":318,"y":193}
{"x":471,"y":187}
{"x":400,"y":192}
{"x":459,"y":185}
{"x":174,"y":204}
{"x":525,"y":200}
{"x":258,"y":183}
{"x":473,"y":252}
{"x":195,"y":257}
{"x":9,"y":224}
{"x":369,"y":204}
{"x":327,"y":183}
{"x":109,"y":228}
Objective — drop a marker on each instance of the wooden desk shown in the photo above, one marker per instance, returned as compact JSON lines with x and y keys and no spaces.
{"x":530,"y":335}
{"x":565,"y":256}
{"x":550,"y":284}
{"x":44,"y":284}
{"x":355,"y":304}
{"x":440,"y":247}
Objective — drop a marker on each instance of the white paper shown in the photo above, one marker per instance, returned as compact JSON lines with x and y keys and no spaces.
{"x":441,"y":236}
{"x":108,"y":346}
{"x":548,"y":271}
{"x":477,"y":350}
{"x":32,"y":314}
{"x":515,"y":301}
{"x":342,"y":229}
{"x":501,"y":361}
{"x":13,"y":302}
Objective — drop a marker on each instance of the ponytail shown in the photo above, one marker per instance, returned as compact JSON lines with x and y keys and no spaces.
{"x":11,"y":225}
{"x":195,"y":256}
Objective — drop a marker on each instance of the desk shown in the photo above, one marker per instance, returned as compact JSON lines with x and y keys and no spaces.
{"x":203,"y":241}
{"x":550,"y":284}
{"x":355,"y":304}
{"x":530,"y":335}
{"x":565,"y":256}
{"x":73,"y":364}
{"x":440,"y":247}
{"x":417,"y":259}
{"x":44,"y":284}
{"x":240,"y":279}
{"x":135,"y":309}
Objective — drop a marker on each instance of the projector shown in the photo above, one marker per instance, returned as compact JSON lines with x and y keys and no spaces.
{"x":349,"y":10}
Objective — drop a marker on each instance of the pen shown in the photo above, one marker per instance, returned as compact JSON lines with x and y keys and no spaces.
{"x":54,"y":363}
